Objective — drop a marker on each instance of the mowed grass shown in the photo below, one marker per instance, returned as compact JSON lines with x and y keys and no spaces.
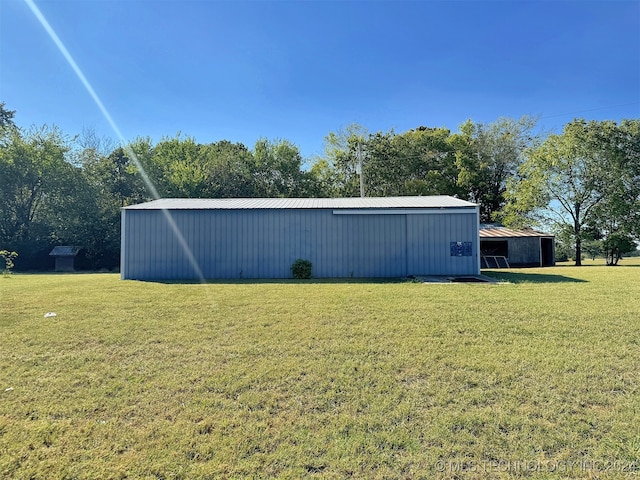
{"x":538,"y":377}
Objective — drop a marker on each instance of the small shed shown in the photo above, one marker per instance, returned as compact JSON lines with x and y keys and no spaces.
{"x":65,"y":257}
{"x":262,"y":237}
{"x":505,"y":247}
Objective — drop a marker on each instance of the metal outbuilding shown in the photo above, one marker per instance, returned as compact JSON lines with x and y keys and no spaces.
{"x":65,"y":257}
{"x":519,"y":248}
{"x":262,"y":237}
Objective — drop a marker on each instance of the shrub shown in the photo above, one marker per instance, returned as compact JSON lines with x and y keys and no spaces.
{"x":301,"y":269}
{"x":8,"y":260}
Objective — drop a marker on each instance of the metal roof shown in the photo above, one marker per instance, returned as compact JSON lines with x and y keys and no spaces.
{"x":498,"y":231}
{"x":439,"y":201}
{"x":64,"y":251}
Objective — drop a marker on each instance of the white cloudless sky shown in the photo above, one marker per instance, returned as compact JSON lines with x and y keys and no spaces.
{"x":296,"y":70}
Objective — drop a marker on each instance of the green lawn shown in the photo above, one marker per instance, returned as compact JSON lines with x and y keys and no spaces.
{"x":538,"y":377}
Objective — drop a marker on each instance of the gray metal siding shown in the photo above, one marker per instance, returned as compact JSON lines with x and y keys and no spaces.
{"x":264,"y":243}
{"x":428,"y":244}
{"x":524,"y":251}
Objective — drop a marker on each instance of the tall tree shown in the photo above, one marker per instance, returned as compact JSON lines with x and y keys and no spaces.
{"x":278,"y":169}
{"x":229,"y":170}
{"x":140,"y":153}
{"x":40,"y":191}
{"x":115,"y":183}
{"x":616,"y":219}
{"x":564,"y":181}
{"x":116,"y":179}
{"x":487,"y":155}
{"x":183,"y":167}
{"x":417,"y":162}
{"x":89,"y":146}
{"x":343,"y":160}
{"x":323,"y":180}
{"x":6,"y":118}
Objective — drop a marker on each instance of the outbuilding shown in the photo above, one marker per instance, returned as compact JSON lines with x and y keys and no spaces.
{"x":235,"y":238}
{"x":65,"y":257}
{"x":506,"y":247}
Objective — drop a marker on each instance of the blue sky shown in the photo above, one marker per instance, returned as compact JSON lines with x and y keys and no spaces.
{"x":297,"y":70}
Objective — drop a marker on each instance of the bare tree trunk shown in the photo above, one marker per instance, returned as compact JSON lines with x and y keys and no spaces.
{"x":576,"y":231}
{"x":618,"y":256}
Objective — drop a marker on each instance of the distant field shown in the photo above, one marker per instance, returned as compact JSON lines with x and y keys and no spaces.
{"x":539,"y":377}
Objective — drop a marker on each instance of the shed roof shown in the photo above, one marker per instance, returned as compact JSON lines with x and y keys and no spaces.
{"x":488,"y":230}
{"x":65,"y":251}
{"x":439,"y":201}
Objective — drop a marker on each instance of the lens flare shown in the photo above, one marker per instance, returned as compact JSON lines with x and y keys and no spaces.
{"x":147,"y":181}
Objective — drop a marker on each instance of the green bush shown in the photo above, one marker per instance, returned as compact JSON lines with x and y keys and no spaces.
{"x":301,"y":269}
{"x":8,"y":261}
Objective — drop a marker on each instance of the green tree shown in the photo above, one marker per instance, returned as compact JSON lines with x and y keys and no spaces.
{"x":567,"y":180}
{"x":116,"y":179}
{"x":617,"y":244}
{"x":152,"y":173}
{"x":114,"y":183}
{"x":616,"y":219}
{"x":324,"y":180}
{"x":487,"y":155}
{"x":593,"y":248}
{"x":6,"y":119}
{"x":28,"y":167}
{"x":341,"y":158}
{"x":418,"y":162}
{"x":8,"y":258}
{"x":42,"y":192}
{"x":229,"y":170}
{"x":183,"y":167}
{"x":277,"y":170}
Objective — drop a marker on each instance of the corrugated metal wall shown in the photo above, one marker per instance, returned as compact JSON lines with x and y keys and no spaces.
{"x":264,"y":244}
{"x":428,"y":242}
{"x":525,"y":251}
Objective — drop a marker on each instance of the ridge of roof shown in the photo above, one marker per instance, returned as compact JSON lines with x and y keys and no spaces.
{"x":435,"y":201}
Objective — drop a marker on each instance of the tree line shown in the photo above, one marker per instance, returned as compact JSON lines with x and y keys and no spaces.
{"x":583,"y":183}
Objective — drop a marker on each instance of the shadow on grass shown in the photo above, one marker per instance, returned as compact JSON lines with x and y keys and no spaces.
{"x":517,"y":277}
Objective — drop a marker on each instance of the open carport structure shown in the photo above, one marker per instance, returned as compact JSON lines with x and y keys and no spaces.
{"x":262,"y":237}
{"x":505,"y":247}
